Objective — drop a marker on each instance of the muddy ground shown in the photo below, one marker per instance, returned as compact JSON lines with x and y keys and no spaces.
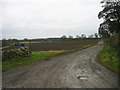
{"x":80,"y":69}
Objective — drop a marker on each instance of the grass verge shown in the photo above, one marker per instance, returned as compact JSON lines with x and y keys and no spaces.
{"x":20,"y":61}
{"x":108,"y":57}
{"x":36,"y":56}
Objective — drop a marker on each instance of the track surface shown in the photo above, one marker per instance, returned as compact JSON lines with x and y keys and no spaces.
{"x":80,"y":69}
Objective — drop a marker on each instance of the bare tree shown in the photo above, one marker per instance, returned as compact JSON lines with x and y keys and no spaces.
{"x":83,"y":36}
{"x":70,"y":37}
{"x":90,"y":36}
{"x":63,"y":37}
{"x":96,"y":35}
{"x":77,"y":36}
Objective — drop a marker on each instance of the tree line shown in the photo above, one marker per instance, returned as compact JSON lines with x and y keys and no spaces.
{"x":6,"y":42}
{"x":95,"y":35}
{"x":109,"y":30}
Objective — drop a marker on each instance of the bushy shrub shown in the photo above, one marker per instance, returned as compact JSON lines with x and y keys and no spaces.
{"x":114,"y":41}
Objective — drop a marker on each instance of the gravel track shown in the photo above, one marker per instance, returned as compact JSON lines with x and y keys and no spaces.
{"x":79,"y":69}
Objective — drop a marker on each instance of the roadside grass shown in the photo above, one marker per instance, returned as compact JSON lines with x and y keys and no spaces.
{"x":109,"y":58}
{"x":21,"y":61}
{"x":73,"y":50}
{"x":87,"y":46}
{"x":36,"y":56}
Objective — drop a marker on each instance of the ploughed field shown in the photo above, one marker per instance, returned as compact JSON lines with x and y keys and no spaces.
{"x":61,"y":45}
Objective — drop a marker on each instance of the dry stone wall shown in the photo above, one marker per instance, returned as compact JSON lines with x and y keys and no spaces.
{"x":7,"y":54}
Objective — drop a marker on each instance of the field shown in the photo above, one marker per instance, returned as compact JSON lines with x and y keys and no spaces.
{"x":62,"y":45}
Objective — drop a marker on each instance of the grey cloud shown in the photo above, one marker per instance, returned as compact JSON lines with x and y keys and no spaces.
{"x":49,"y":18}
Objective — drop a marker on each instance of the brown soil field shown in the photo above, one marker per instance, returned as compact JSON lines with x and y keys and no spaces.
{"x":63,"y":45}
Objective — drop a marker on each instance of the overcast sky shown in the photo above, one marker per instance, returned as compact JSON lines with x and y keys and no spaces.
{"x":49,"y":18}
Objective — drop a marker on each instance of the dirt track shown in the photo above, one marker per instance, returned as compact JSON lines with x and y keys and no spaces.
{"x":74,"y":70}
